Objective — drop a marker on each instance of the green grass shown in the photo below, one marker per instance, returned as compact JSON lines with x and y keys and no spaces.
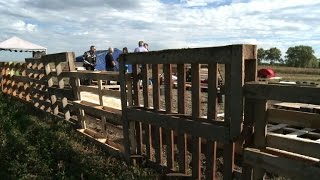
{"x":33,"y":148}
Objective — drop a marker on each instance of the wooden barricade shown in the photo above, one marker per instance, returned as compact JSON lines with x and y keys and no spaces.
{"x":99,"y":107}
{"x":286,"y":141}
{"x":14,"y":79}
{"x":162,"y":134}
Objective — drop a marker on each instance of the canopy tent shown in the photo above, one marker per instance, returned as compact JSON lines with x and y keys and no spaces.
{"x":19,"y":45}
{"x":101,"y":64}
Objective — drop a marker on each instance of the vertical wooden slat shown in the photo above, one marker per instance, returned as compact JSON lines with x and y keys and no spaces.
{"x":145,"y":84}
{"x":100,"y":92}
{"x":228,"y":154}
{"x":260,"y":132}
{"x":136,"y":102}
{"x":237,"y":80}
{"x":135,"y":85}
{"x":146,"y":127}
{"x":211,"y":153}
{"x":228,"y":160}
{"x":156,"y":105}
{"x":212,"y":114}
{"x":212,"y":91}
{"x":181,"y":139}
{"x":196,"y":141}
{"x":167,"y":69}
{"x":125,"y":121}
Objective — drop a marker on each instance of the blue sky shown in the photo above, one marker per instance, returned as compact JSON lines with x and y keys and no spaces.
{"x":74,"y":25}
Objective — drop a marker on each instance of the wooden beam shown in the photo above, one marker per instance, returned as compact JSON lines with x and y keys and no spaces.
{"x":294,"y":144}
{"x":280,"y":165}
{"x":294,"y":118}
{"x":180,"y":56}
{"x":181,"y":125}
{"x":287,"y":93}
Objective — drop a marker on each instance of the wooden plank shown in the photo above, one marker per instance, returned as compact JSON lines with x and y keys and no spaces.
{"x":237,"y":81}
{"x":68,"y":93}
{"x":286,"y":93}
{"x":294,"y":118}
{"x":35,"y":71}
{"x":156,"y":86}
{"x":211,"y":160}
{"x":100,"y":92}
{"x":125,"y":121}
{"x":156,"y":105}
{"x":228,"y":160}
{"x":113,"y":115}
{"x":212,"y":91}
{"x":250,"y":52}
{"x":56,"y":58}
{"x":196,"y":101}
{"x":179,"y":56}
{"x":111,"y":93}
{"x":294,"y":144}
{"x":182,"y":138}
{"x":145,"y":85}
{"x":92,"y":89}
{"x":167,"y":70}
{"x":280,"y":165}
{"x":199,"y":129}
{"x":135,"y":85}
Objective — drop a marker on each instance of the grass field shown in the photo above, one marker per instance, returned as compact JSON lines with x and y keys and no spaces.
{"x":34,"y":148}
{"x":295,"y":74}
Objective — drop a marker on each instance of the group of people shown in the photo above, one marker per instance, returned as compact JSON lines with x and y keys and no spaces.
{"x":90,"y":57}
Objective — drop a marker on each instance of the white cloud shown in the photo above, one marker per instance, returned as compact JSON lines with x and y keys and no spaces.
{"x":22,"y":26}
{"x":61,"y":26}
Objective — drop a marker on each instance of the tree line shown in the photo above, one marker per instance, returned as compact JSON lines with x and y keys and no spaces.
{"x":297,"y":56}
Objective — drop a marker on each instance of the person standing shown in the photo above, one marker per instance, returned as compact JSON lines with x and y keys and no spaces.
{"x":90,"y":59}
{"x":141,"y":47}
{"x":110,"y":63}
{"x":89,"y":62}
{"x":146,"y":45}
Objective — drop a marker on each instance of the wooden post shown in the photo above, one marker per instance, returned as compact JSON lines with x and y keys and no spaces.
{"x":124,"y":105}
{"x":156,"y":105}
{"x":167,"y":69}
{"x":196,"y":100}
{"x":260,"y":132}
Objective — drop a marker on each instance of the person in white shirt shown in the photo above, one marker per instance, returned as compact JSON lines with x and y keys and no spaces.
{"x":141,"y":47}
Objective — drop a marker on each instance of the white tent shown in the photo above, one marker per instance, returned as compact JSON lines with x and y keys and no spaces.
{"x":16,"y":44}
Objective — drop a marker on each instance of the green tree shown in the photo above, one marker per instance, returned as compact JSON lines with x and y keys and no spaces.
{"x":273,"y":55}
{"x":301,"y":56}
{"x":261,"y":55}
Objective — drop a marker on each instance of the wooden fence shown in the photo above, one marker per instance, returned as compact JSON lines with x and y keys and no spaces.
{"x":152,"y":129}
{"x":285,"y":141}
{"x":172,"y":128}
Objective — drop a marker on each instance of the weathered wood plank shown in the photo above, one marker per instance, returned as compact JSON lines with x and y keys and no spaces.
{"x":212,"y":91}
{"x":179,"y":56}
{"x":285,"y":93}
{"x":181,"y":139}
{"x":281,"y":165}
{"x":199,"y":129}
{"x":294,"y":118}
{"x":294,"y":144}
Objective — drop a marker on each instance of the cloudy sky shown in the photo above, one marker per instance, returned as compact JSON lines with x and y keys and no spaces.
{"x":73,"y":25}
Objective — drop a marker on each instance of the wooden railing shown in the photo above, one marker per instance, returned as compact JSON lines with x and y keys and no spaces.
{"x":284,"y":141}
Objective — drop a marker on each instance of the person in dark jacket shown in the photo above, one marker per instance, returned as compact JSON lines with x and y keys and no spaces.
{"x":110,"y":63}
{"x":90,"y":59}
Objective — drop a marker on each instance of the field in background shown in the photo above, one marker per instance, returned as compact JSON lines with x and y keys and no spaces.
{"x":295,"y":74}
